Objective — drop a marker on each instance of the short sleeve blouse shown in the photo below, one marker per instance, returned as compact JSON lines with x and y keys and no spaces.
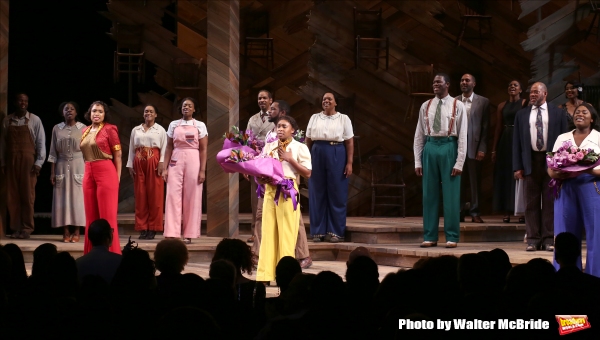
{"x":202,"y":131}
{"x":334,"y":128}
{"x":299,"y":152}
{"x":101,"y":147}
{"x":592,"y":141}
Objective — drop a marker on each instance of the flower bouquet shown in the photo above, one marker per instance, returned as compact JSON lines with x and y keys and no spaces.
{"x":246,"y":161}
{"x":236,"y":138}
{"x":570,"y":159}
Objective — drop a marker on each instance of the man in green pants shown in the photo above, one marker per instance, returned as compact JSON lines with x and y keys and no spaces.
{"x":440,"y":148}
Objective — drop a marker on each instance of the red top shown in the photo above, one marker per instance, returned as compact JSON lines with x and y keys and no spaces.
{"x":107,"y":138}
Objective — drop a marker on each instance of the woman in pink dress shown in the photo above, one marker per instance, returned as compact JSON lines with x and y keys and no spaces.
{"x":185,"y":173}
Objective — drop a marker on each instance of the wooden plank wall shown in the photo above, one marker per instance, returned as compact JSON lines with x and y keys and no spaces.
{"x":3,"y":97}
{"x":222,"y":112}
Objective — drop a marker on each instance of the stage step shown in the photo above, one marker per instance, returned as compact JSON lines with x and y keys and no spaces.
{"x":369,"y":230}
{"x":398,"y":255}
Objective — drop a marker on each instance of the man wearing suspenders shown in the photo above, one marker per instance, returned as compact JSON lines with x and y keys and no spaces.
{"x":440,"y":147}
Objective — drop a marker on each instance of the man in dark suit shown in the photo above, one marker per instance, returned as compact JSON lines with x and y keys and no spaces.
{"x":536,"y":130}
{"x":478,"y":109}
{"x":99,"y":261}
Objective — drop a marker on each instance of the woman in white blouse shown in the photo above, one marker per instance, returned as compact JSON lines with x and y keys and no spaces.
{"x":329,"y":138}
{"x":147,"y":146}
{"x":578,"y":204}
{"x":281,"y":206}
{"x":185,"y":173}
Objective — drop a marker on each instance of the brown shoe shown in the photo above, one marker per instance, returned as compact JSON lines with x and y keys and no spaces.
{"x":251,"y":239}
{"x":476,"y":219}
{"x":23,"y":236}
{"x":305,"y":263}
{"x":451,"y":244}
{"x":428,"y":244}
{"x":75,"y":239}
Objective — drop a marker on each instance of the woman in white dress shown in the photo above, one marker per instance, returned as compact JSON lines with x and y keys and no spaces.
{"x":67,"y":168}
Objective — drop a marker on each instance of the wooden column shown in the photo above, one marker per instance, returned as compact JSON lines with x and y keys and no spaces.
{"x":222,"y":112}
{"x":3,"y":98}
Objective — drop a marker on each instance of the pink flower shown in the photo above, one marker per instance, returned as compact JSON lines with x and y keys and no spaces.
{"x":573,"y":149}
{"x":579,"y":155}
{"x":572,"y":158}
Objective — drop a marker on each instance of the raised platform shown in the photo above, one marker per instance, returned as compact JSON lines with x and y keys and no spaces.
{"x":379,"y":230}
{"x":396,"y":255}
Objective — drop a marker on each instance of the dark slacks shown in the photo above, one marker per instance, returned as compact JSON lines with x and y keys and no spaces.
{"x":471,"y":178}
{"x":539,"y":202}
{"x":328,"y":190}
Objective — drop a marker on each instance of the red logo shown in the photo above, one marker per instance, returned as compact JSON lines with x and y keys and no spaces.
{"x":568,"y":324}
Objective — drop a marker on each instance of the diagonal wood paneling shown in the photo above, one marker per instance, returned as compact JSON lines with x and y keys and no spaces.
{"x":222,"y":112}
{"x":3,"y":97}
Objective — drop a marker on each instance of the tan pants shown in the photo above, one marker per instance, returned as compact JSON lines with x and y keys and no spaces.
{"x":301,"y":243}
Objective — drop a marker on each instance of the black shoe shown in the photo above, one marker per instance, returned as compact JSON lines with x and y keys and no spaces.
{"x":548,"y":247}
{"x":531,"y":247}
{"x":327,"y":238}
{"x":317,"y":239}
{"x":150,"y":235}
{"x":143,"y":234}
{"x":15,"y":234}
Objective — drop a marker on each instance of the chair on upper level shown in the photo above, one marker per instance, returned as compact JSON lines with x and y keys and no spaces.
{"x":257,"y":44}
{"x":419,"y":85}
{"x":595,"y":8}
{"x":129,"y":57}
{"x":386,"y":178}
{"x":473,"y":10}
{"x":368,"y":31}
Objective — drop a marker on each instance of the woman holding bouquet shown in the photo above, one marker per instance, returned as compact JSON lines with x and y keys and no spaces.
{"x":147,"y":146}
{"x":281,"y":207}
{"x":101,"y":150}
{"x":329,"y":138}
{"x":578,"y":203}
{"x":185,"y":174}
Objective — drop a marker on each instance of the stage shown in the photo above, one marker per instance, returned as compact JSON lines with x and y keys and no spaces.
{"x":393,"y":242}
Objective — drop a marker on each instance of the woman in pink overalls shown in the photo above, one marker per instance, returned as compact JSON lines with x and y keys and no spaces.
{"x":185,"y":172}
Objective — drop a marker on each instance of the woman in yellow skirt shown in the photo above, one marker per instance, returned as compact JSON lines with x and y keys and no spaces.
{"x":281,"y":207}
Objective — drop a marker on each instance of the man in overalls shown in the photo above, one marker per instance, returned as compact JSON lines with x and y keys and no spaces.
{"x":23,"y":151}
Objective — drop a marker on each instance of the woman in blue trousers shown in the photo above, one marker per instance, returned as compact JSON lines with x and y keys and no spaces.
{"x":578,"y":204}
{"x":329,"y":137}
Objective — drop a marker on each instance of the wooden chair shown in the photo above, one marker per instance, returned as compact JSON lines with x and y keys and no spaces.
{"x":129,"y":57}
{"x":419,"y":81}
{"x":386,"y":176}
{"x":257,"y":44}
{"x":368,"y":32}
{"x":468,"y":13}
{"x":595,"y":5}
{"x":187,"y":74}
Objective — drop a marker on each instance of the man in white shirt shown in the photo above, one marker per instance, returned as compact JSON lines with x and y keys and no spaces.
{"x":478,"y":112}
{"x":440,"y":148}
{"x":260,"y":126}
{"x":536,"y":129}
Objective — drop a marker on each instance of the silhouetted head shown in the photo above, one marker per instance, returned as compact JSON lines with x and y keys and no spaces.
{"x":171,"y":256}
{"x":237,"y":252}
{"x":567,"y":249}
{"x":42,"y":258}
{"x":287,"y":268}
{"x":223,"y":270}
{"x":100,"y":233}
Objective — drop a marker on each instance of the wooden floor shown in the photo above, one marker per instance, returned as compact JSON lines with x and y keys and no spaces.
{"x":393,"y":242}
